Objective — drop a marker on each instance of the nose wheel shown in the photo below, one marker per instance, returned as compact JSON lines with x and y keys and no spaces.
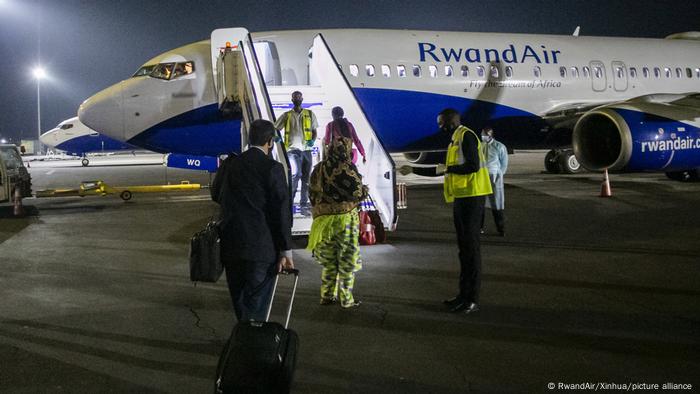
{"x":85,"y":162}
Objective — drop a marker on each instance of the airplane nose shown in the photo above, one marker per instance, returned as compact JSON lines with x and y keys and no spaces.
{"x":103,"y":112}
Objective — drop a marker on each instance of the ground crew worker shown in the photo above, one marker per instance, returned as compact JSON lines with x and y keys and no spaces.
{"x":496,"y":156}
{"x":466,"y":184}
{"x":299,"y":126}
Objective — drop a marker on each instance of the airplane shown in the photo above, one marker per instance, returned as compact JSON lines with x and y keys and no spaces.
{"x":622,"y":103}
{"x":76,"y":139}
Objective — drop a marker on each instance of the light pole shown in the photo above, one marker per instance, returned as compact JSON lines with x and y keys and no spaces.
{"x":39,"y":74}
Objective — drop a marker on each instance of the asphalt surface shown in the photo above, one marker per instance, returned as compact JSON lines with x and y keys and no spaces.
{"x":96,"y":295}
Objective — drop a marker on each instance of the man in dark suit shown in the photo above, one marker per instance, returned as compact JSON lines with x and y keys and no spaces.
{"x":256,"y":222}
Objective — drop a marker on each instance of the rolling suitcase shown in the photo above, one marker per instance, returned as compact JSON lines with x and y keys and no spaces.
{"x":260,"y":357}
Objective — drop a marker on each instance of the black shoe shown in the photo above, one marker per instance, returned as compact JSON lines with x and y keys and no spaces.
{"x":452,"y":301}
{"x":459,"y":306}
{"x":473,"y":307}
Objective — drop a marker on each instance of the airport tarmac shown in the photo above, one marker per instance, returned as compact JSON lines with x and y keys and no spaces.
{"x":96,"y":295}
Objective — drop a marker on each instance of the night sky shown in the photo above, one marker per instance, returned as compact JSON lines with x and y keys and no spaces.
{"x":86,"y":46}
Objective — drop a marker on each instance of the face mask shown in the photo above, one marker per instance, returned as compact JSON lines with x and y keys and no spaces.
{"x":486,"y":138}
{"x":296,"y":103}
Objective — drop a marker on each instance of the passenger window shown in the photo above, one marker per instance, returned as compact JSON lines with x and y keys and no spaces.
{"x":645,"y":71}
{"x":480,"y":71}
{"x":667,"y":72}
{"x":562,"y":72}
{"x":597,"y":72}
{"x":163,"y":71}
{"x":586,"y":72}
{"x":509,"y":72}
{"x":433,"y":71}
{"x":494,"y":72}
{"x":386,"y":71}
{"x":657,"y":72}
{"x":688,"y":72}
{"x":620,"y":72}
{"x":401,"y":70}
{"x":574,"y":72}
{"x":416,"y":70}
{"x":679,"y":72}
{"x":633,"y":72}
{"x":354,"y":70}
{"x":697,"y":72}
{"x":537,"y":71}
{"x":465,"y":71}
{"x":370,"y":70}
{"x":448,"y":71}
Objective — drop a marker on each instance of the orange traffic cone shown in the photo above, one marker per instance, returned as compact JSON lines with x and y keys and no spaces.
{"x":18,"y":208}
{"x":605,"y":186}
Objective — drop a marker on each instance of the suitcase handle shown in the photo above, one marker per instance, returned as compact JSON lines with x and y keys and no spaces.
{"x":294,"y":272}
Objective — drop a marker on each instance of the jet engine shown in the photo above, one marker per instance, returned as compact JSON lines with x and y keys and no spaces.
{"x":649,"y":133}
{"x":425,"y":157}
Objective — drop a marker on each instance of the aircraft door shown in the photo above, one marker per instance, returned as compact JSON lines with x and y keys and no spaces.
{"x":619,"y":71}
{"x":378,"y":173}
{"x":599,"y":78}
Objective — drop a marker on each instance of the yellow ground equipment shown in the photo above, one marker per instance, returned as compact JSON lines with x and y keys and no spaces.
{"x":99,"y":188}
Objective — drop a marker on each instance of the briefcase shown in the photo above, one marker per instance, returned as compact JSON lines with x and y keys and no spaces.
{"x":260,"y":357}
{"x":205,"y":254}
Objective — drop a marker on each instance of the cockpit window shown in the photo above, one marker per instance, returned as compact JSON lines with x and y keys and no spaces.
{"x":184,"y":68}
{"x":145,"y":70}
{"x":163,"y":71}
{"x":67,"y":126}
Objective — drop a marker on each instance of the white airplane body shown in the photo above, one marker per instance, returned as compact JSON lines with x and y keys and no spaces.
{"x":76,"y":139}
{"x":532,"y":89}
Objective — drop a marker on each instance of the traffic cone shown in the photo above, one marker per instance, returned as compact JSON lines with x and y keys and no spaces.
{"x":18,"y":208}
{"x":605,"y":186}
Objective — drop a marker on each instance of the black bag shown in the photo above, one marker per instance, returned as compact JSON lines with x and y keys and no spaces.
{"x":205,"y":254}
{"x":259,"y":357}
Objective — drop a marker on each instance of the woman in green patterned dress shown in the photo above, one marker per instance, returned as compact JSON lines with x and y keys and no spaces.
{"x":335,"y":190}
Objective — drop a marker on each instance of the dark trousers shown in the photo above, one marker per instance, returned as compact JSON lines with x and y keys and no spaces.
{"x":250,"y":285}
{"x":467,"y":216}
{"x":498,"y":216}
{"x":301,"y":171}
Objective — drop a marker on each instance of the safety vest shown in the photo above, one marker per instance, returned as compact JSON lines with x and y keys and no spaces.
{"x":465,"y":185}
{"x":305,"y":125}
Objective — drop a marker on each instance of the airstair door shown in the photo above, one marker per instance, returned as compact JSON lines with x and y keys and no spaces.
{"x":379,"y":171}
{"x":240,"y":86}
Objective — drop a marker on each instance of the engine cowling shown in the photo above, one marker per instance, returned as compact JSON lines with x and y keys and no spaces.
{"x":425,"y":157}
{"x":650,"y":133}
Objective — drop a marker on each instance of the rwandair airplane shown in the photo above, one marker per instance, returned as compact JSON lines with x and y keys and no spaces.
{"x":625,"y":104}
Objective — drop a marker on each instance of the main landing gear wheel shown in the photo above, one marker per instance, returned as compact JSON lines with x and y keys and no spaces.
{"x":684,"y":176}
{"x":562,"y":161}
{"x":550,"y":162}
{"x":85,"y":162}
{"x":125,"y":195}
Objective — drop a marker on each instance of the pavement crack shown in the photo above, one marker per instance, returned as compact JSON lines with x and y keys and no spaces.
{"x":198,"y":323}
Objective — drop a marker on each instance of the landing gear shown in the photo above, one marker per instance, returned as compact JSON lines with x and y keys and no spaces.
{"x":562,"y":161}
{"x":85,"y":162}
{"x":684,"y":176}
{"x":125,"y":195}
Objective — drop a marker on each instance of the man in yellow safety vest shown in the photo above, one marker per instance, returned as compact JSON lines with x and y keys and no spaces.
{"x":299,"y":126}
{"x":466,"y":185}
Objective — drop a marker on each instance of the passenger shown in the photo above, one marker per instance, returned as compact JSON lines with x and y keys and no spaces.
{"x":179,"y":70}
{"x":189,"y":68}
{"x":466,"y":184}
{"x":256,"y":222}
{"x":336,"y":190}
{"x":496,"y":156}
{"x":341,"y":127}
{"x":299,"y":135}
